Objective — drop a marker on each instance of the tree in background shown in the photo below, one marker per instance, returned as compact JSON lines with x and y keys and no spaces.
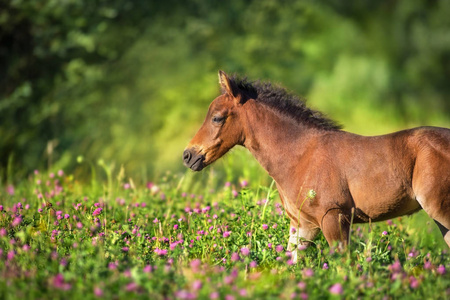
{"x":49,"y":49}
{"x":128,"y":81}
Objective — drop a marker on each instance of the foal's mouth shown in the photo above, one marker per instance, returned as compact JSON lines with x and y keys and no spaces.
{"x":198,"y":164}
{"x":193,"y":160}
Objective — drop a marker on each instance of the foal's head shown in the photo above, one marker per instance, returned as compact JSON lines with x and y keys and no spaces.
{"x":221,"y":130}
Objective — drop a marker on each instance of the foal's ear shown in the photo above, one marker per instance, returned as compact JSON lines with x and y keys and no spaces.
{"x":229,"y":87}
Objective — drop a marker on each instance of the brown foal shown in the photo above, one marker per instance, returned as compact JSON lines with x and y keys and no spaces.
{"x":327,"y":178}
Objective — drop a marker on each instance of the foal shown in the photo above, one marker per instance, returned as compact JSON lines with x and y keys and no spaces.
{"x":326,"y":177}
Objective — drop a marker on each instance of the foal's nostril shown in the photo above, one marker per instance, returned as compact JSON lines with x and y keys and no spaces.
{"x":187,"y":156}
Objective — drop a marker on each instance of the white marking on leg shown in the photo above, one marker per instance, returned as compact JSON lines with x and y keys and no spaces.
{"x":298,"y":240}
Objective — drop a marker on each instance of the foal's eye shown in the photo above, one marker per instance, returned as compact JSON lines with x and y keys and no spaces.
{"x":218,"y":119}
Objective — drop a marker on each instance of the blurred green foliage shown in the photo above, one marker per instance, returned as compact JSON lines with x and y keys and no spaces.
{"x":130,"y":81}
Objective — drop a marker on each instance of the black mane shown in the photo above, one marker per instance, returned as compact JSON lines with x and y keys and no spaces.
{"x":284,"y":102}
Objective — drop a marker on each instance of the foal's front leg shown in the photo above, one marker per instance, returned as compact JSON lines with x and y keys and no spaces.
{"x":299,"y":236}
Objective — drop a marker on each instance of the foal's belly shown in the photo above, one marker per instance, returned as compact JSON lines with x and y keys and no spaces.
{"x":382,"y":190}
{"x":384,"y":208}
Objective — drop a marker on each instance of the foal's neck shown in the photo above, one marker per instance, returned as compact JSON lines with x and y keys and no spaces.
{"x":275,"y":140}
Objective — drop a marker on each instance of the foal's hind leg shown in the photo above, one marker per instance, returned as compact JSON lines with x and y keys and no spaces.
{"x":437,"y":206}
{"x":441,"y":217}
{"x":431,"y":184}
{"x":445,"y":232}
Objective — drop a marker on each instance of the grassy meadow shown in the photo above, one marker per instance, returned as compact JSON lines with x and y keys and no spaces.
{"x":86,"y":83}
{"x":197,"y":236}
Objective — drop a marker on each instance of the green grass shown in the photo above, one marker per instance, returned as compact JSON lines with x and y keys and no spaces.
{"x":187,"y":236}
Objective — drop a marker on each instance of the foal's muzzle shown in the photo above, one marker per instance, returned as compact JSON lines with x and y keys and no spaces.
{"x":193,"y":160}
